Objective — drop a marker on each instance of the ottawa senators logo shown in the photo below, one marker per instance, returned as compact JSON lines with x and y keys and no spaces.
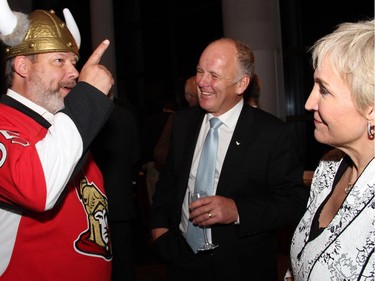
{"x":95,"y":240}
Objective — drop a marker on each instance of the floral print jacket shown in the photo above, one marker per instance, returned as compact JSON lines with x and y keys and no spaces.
{"x":344,"y":250}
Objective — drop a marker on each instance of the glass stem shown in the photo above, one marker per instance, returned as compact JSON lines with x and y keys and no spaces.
{"x":205,"y":235}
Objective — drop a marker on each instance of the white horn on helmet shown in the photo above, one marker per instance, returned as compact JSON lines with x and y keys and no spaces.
{"x":72,"y":26}
{"x":8,"y":20}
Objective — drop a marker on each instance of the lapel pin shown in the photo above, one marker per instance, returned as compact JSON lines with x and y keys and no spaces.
{"x":237,"y":143}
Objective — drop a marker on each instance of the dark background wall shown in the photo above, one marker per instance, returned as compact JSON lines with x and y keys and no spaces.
{"x":302,"y":23}
{"x":158,"y":44}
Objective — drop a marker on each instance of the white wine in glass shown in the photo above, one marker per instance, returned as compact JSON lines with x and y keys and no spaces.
{"x":207,"y":245}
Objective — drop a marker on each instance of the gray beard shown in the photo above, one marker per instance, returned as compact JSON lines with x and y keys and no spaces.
{"x":49,"y":99}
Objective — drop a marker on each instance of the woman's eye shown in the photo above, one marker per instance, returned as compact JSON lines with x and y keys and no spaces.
{"x":323,"y":90}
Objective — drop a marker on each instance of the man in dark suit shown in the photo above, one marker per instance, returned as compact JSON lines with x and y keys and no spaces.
{"x":117,"y":152}
{"x":258,"y":178}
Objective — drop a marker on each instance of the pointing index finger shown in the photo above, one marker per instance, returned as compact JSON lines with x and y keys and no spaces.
{"x":98,"y":53}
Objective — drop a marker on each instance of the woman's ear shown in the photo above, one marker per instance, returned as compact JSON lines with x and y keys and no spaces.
{"x":370,"y":114}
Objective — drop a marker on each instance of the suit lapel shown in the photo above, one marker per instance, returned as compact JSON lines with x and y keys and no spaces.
{"x":242,"y":138}
{"x":193,"y":126}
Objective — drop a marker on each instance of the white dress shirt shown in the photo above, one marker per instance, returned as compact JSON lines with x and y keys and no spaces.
{"x":59,"y":151}
{"x":226,"y":130}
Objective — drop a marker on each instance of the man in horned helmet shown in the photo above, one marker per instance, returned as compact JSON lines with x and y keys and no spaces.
{"x":53,"y":207}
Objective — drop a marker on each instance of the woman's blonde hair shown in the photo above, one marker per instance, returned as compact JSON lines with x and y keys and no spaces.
{"x":350,"y":51}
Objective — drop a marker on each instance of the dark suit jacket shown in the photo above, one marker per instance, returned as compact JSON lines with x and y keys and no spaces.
{"x":117,"y":151}
{"x":262,"y":172}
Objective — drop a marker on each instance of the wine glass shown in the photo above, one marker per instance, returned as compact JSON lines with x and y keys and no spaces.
{"x":207,"y":245}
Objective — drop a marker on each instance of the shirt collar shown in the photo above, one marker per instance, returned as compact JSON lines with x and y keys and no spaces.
{"x":38,"y":109}
{"x":230,"y":117}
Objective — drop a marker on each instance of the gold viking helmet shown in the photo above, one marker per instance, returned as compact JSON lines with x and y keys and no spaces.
{"x":39,"y":32}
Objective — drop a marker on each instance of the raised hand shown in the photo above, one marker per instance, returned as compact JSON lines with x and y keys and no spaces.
{"x":96,"y":74}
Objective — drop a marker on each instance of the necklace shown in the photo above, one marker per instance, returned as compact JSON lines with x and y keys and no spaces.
{"x":350,"y":185}
{"x":348,"y":188}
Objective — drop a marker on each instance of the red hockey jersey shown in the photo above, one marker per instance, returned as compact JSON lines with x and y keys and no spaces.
{"x":68,"y":241}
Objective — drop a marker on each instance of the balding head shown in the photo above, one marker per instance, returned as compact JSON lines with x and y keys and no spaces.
{"x":191,"y":92}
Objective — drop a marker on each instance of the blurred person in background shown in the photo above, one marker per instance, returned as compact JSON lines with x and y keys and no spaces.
{"x":191,"y":91}
{"x":252,"y":92}
{"x":116,"y":150}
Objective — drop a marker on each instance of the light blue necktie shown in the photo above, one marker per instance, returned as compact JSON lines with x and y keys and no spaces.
{"x":205,"y":178}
